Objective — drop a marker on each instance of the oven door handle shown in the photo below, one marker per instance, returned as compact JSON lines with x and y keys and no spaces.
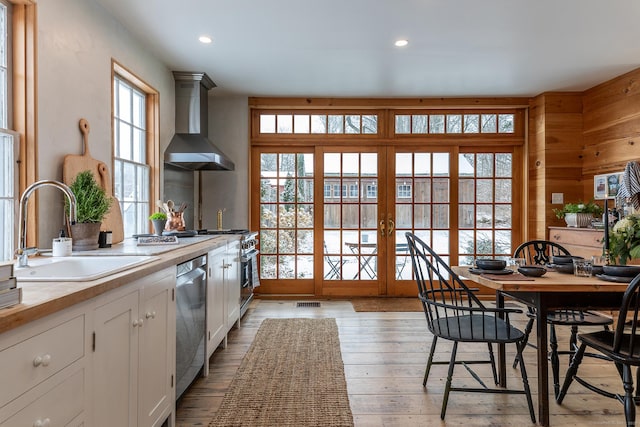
{"x":249,"y":255}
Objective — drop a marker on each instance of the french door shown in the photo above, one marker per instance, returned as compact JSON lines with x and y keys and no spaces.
{"x":333,"y":219}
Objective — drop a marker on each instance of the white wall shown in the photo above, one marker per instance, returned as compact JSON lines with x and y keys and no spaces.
{"x":77,"y":40}
{"x":229,"y":130}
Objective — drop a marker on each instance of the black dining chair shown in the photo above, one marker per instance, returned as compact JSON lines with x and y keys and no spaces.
{"x":454,"y":313}
{"x":621,"y":347}
{"x":541,"y":252}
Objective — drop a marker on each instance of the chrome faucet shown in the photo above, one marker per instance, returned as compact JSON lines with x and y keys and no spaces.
{"x":23,"y":252}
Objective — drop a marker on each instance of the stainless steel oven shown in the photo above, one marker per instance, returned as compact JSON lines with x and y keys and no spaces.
{"x":249,"y":274}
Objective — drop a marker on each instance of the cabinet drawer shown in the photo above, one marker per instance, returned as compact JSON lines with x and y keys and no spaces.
{"x":59,"y":406}
{"x":581,"y":237}
{"x":29,"y":362}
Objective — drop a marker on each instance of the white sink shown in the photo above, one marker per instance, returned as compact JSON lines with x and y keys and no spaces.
{"x":76,"y":268}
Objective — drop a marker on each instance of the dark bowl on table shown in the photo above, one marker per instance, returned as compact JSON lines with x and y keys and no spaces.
{"x":491,"y":264}
{"x":563,"y":268}
{"x":565,"y":259}
{"x":621,"y":270}
{"x":532,"y":270}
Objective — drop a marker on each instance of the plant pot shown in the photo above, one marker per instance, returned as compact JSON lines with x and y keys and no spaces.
{"x":580,"y":220}
{"x":85,"y":236}
{"x":158,"y":225}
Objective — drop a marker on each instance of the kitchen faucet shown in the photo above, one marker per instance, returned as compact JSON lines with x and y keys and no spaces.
{"x":23,"y":252}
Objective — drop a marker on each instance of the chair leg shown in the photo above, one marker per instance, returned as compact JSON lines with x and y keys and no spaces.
{"x":447,"y":388}
{"x":571,"y":372}
{"x":527,"y":332}
{"x":429,"y":361}
{"x":525,"y":381}
{"x":555,"y":360}
{"x":573,"y":342}
{"x":493,"y":365}
{"x":629,"y":402}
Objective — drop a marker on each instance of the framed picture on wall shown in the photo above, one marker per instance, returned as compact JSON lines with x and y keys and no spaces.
{"x":599,"y":187}
{"x":606,"y":185}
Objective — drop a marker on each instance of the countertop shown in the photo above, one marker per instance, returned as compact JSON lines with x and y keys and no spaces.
{"x":40,"y":299}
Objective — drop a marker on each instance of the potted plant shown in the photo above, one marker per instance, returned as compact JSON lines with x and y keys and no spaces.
{"x":624,"y":240}
{"x":92,"y":204}
{"x":159,"y":220}
{"x":579,"y":214}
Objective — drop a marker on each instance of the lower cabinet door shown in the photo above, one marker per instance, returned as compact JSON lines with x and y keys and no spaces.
{"x":60,"y":406}
{"x":156,"y":366}
{"x":115,"y":362}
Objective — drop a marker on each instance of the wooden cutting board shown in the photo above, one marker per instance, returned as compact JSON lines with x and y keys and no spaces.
{"x":113,"y":220}
{"x":74,"y":164}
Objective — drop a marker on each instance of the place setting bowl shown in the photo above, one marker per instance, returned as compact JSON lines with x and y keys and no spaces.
{"x":563,"y":263}
{"x":618,"y":273}
{"x":532,"y":270}
{"x":491,"y":266}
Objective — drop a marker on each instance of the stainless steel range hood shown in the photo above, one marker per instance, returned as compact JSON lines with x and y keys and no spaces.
{"x":190,"y":148}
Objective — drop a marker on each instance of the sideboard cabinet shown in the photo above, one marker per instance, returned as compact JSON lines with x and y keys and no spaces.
{"x":584,"y":242}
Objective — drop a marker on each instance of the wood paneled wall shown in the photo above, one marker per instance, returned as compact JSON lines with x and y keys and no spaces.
{"x":555,"y":156}
{"x":576,"y":135}
{"x":611,"y":116}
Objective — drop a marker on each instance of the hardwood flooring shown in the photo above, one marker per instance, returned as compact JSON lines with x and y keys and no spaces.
{"x":384,"y":354}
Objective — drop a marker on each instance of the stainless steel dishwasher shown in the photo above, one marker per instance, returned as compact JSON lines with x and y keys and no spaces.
{"x":191,"y":299}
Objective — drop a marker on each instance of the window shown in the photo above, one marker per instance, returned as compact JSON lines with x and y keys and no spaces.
{"x":372,"y":191}
{"x":404,"y":191}
{"x":8,"y":144}
{"x":319,"y":123}
{"x":131,"y":171}
{"x":353,"y":191}
{"x":406,"y":124}
{"x":485,"y":205}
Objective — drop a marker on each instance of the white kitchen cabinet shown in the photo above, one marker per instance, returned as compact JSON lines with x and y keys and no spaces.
{"x":43,"y":366}
{"x":223,"y":294}
{"x":216,"y":313}
{"x":134,"y":355}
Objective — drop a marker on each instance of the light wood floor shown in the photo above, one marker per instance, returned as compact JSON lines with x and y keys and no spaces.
{"x":384,"y":356}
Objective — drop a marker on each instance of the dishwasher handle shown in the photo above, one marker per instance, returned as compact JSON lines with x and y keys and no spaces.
{"x":191,"y":265}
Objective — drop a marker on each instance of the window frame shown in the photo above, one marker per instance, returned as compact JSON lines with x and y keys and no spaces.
{"x":152,"y":141}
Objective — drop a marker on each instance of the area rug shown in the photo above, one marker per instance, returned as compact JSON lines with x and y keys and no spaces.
{"x":292,"y":375}
{"x":386,"y":304}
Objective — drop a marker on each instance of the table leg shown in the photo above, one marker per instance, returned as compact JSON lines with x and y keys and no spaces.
{"x":543,"y":364}
{"x":502,"y":360}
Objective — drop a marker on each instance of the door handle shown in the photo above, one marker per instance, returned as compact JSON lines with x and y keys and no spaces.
{"x":392,"y":225}
{"x":382,"y":227}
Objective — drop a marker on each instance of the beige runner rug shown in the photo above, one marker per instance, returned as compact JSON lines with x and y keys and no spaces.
{"x":292,"y":375}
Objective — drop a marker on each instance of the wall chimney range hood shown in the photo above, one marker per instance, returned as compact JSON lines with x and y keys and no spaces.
{"x":190,"y":148}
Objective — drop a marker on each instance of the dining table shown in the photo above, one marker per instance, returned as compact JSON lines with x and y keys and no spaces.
{"x":553,"y":290}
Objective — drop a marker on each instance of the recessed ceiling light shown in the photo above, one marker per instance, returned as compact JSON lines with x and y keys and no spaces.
{"x":205,"y":39}
{"x":401,"y":42}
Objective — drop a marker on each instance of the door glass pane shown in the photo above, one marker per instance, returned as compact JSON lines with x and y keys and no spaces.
{"x":350,"y":210}
{"x":286,"y":215}
{"x":422,"y":187}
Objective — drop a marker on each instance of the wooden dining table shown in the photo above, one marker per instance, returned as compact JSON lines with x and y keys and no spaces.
{"x":552,"y":291}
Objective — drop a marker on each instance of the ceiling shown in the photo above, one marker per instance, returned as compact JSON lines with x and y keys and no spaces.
{"x":344,"y":48}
